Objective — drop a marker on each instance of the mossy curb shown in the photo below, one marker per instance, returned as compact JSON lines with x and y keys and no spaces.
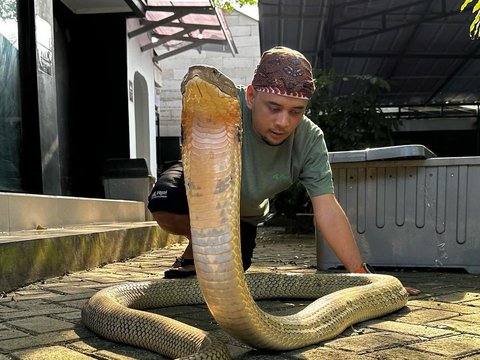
{"x":26,"y":261}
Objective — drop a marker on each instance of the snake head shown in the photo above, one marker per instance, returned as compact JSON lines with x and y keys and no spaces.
{"x":211,"y":75}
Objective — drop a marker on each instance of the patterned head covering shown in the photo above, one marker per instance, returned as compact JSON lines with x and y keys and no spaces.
{"x":284,"y":71}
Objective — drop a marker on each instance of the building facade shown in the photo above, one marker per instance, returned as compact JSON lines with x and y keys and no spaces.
{"x":82,"y":83}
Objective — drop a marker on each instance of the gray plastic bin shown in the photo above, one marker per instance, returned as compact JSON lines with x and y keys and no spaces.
{"x":128,"y":179}
{"x":409,"y":213}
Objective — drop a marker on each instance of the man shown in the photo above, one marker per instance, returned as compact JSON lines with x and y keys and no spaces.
{"x":280,"y":146}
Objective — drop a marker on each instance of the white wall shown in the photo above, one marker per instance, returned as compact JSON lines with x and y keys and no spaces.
{"x":239,"y":68}
{"x":141,"y":62}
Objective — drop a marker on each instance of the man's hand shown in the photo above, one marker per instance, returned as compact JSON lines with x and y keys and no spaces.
{"x":368,"y":269}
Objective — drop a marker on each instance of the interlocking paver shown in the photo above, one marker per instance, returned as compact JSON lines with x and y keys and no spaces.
{"x":472,"y":357}
{"x":30,"y":294}
{"x":35,"y":310}
{"x":47,"y":339}
{"x":71,"y":289}
{"x":424,"y":316}
{"x":324,"y":353}
{"x":85,"y":294}
{"x":74,"y":316}
{"x":410,"y":329}
{"x":75,"y":303}
{"x":473,"y":303}
{"x":127,"y":354}
{"x":9,"y":333}
{"x":458,"y":326}
{"x":453,"y":346}
{"x":473,"y":318}
{"x":41,"y":324}
{"x":437,"y":305}
{"x":365,"y":343}
{"x":51,"y":353}
{"x":253,"y":355}
{"x":44,"y":319}
{"x":92,"y":345}
{"x":459,"y":297}
{"x":405,"y":354}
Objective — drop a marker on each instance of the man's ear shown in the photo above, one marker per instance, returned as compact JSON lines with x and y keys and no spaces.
{"x":250,"y":96}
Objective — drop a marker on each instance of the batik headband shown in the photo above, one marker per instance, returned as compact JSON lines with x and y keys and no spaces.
{"x":284,"y":71}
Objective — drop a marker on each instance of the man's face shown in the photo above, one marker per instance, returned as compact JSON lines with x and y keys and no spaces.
{"x":275,"y":117}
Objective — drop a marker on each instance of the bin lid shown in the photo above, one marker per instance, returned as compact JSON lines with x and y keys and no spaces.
{"x":414,"y":151}
{"x":125,"y":168}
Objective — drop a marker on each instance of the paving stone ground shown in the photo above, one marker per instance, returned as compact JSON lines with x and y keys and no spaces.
{"x":42,"y":320}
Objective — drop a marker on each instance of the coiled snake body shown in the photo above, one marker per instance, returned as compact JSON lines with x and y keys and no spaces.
{"x":211,"y":125}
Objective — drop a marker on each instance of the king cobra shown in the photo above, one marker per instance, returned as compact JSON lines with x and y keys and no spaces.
{"x":212,"y":132}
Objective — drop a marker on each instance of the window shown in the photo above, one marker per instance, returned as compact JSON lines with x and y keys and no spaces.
{"x":10,"y":106}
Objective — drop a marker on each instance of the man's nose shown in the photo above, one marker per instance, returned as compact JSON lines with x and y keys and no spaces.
{"x":281,"y":120}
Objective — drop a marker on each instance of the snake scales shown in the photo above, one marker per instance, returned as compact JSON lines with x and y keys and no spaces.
{"x":211,"y":125}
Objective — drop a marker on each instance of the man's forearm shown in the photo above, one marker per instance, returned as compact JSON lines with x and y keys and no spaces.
{"x":335,"y":228}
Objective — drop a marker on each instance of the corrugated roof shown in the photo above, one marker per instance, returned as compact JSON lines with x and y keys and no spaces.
{"x":422,"y":47}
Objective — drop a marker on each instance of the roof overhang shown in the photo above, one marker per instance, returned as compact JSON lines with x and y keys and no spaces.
{"x":178,"y":26}
{"x":172,"y":26}
{"x":83,"y":7}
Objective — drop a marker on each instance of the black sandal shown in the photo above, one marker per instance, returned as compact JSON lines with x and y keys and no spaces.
{"x":176,"y":273}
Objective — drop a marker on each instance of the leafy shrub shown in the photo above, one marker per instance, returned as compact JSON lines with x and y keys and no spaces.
{"x":355,"y":121}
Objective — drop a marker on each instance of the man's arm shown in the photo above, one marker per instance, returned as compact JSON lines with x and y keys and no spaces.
{"x":335,"y":228}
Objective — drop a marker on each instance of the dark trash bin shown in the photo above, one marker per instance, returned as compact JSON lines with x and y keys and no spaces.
{"x":128,"y":179}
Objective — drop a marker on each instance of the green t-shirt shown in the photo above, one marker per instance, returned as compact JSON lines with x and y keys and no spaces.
{"x":268,"y":170}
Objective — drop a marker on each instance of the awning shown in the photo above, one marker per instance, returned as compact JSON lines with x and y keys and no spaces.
{"x":177,"y":26}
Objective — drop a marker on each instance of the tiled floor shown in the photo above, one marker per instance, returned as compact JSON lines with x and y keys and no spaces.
{"x":42,"y":320}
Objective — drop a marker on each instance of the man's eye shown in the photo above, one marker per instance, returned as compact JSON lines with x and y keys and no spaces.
{"x":274,"y":109}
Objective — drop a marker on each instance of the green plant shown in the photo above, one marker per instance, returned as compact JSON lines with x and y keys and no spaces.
{"x":8,"y":9}
{"x":227,"y":5}
{"x":354,"y":121}
{"x":475,"y":25}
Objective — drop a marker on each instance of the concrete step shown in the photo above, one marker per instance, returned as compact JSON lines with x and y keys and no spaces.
{"x":28,"y":256}
{"x":28,"y":211}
